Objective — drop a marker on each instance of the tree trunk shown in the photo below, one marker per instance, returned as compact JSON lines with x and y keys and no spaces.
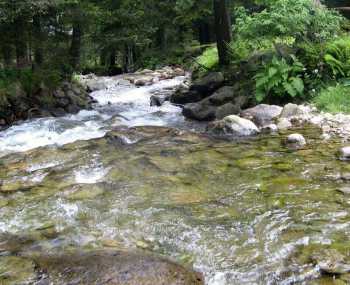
{"x":38,"y":41}
{"x":112,"y":58}
{"x":21,"y":44}
{"x":204,"y":32}
{"x":223,"y":30}
{"x":75,"y":48}
{"x":6,"y":50}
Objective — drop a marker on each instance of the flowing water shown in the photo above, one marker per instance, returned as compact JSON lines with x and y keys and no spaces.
{"x":127,"y":175}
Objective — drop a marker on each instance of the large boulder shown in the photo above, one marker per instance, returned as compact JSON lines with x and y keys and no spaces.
{"x":114,"y":268}
{"x":226,"y":110}
{"x":220,"y":104}
{"x":292,"y":110}
{"x":184,"y":96}
{"x":208,"y":84}
{"x":222,"y":96}
{"x":201,"y":111}
{"x":262,"y":114}
{"x":233,"y":125}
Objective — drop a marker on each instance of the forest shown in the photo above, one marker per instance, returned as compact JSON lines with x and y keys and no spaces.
{"x":174,"y":142}
{"x":302,"y":43}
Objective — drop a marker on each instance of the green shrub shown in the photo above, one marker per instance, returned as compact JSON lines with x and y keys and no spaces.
{"x":279,"y":78}
{"x":299,"y":19}
{"x":337,"y":57}
{"x":334,"y":99}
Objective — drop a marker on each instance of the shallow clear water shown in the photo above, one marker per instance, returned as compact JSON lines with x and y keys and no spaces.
{"x":242,"y":212}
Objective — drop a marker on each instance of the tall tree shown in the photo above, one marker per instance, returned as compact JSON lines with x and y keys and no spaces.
{"x":222,"y":29}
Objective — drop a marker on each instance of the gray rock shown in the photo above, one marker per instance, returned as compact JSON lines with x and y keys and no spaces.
{"x":262,"y":114}
{"x":268,"y":129}
{"x":58,"y":112}
{"x":284,"y":124}
{"x":183,"y":96}
{"x":226,"y":110}
{"x":208,"y":84}
{"x":296,"y":140}
{"x":234,"y":125}
{"x":144,"y":80}
{"x":158,"y":100}
{"x":96,"y":84}
{"x":222,"y":96}
{"x":62,"y":102}
{"x":201,"y":111}
{"x":72,"y":109}
{"x":292,"y":110}
{"x":345,"y":153}
{"x":331,"y":261}
{"x":59,"y":93}
{"x":114,"y":267}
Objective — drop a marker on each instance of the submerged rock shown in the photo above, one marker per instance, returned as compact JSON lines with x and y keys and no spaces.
{"x":295,"y":140}
{"x":234,"y":125}
{"x":114,"y":268}
{"x":17,"y":270}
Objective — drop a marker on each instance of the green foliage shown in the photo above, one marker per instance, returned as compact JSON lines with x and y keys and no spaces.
{"x":334,"y":99}
{"x":299,"y":19}
{"x":209,"y":59}
{"x":279,"y":78}
{"x":337,"y":57}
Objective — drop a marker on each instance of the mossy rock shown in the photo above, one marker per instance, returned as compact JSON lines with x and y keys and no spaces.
{"x":114,"y":268}
{"x":16,"y":270}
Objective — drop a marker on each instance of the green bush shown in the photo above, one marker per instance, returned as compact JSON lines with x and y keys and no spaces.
{"x":279,"y":78}
{"x":334,"y":99}
{"x":299,"y":19}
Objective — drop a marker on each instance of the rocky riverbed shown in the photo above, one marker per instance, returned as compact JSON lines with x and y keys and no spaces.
{"x":259,"y":196}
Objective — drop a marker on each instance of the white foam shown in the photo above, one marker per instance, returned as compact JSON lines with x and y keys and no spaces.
{"x":130,"y":102}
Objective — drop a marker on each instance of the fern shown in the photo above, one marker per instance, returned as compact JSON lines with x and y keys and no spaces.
{"x":278,"y":78}
{"x":337,"y":57}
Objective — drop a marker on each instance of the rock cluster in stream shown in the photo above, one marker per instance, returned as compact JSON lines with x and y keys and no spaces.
{"x":69,"y":97}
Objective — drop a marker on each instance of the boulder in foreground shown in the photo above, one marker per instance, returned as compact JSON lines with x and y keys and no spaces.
{"x":114,"y":268}
{"x":234,"y":125}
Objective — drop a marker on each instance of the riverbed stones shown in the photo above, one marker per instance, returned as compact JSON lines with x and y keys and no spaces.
{"x":262,"y":114}
{"x":114,"y":268}
{"x":295,"y":140}
{"x":234,"y":125}
{"x":345,"y":153}
{"x":284,"y":124}
{"x":17,"y":270}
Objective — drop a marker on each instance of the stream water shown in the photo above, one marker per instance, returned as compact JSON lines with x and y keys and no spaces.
{"x":241,"y":212}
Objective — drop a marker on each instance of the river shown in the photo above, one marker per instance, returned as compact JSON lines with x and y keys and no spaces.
{"x":129,"y":175}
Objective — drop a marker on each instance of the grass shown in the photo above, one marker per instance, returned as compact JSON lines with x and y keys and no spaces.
{"x":334,"y":99}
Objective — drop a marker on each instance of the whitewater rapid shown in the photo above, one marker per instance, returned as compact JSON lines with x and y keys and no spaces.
{"x":116,"y":105}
